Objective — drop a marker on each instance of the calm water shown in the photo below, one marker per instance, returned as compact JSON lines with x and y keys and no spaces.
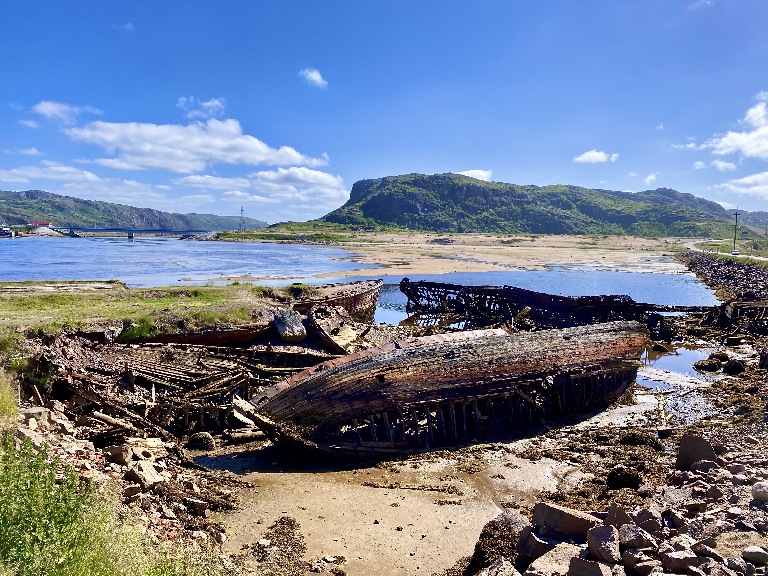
{"x":160,"y":261}
{"x":148,"y":262}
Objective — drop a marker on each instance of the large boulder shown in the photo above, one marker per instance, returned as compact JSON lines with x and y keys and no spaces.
{"x":554,"y":519}
{"x":289,"y":326}
{"x":498,"y":539}
{"x":604,"y":543}
{"x":144,"y":472}
{"x":556,"y":562}
{"x":692,"y":449}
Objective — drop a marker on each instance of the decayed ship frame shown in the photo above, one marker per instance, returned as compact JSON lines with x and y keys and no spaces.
{"x":450,"y":389}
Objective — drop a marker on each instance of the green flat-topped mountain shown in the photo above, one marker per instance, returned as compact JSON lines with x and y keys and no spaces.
{"x":455,"y":203}
{"x":19,"y":208}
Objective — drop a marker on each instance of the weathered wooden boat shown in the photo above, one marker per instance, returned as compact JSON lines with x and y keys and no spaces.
{"x":358,"y":298}
{"x":449,"y":389}
{"x":338,"y":332}
{"x":489,"y":305}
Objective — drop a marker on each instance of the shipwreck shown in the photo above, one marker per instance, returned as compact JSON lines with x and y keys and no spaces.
{"x":448,"y":389}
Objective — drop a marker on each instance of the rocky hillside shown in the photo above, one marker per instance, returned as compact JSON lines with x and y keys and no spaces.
{"x":455,"y":203}
{"x":17,"y":208}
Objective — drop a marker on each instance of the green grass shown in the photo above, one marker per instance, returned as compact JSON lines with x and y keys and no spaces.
{"x":51,"y":524}
{"x":8,"y":405}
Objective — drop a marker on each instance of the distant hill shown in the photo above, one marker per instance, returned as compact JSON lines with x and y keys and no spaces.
{"x":17,"y":208}
{"x":455,"y":203}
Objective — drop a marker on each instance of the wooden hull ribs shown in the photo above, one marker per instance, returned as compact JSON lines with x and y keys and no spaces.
{"x":358,"y":298}
{"x":450,"y":389}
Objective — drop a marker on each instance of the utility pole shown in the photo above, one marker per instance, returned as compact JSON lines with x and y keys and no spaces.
{"x":735,"y":226}
{"x":242,"y":221}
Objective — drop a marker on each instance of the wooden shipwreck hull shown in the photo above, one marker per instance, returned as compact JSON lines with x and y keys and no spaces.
{"x":450,"y":389}
{"x":358,"y":298}
{"x":488,"y":305}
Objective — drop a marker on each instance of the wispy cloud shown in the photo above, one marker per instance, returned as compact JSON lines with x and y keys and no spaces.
{"x":651,"y":178}
{"x":723,"y":166}
{"x":313,"y":77}
{"x":699,"y":165}
{"x":754,"y":185}
{"x":660,"y":126}
{"x":196,"y":108}
{"x":65,"y":114}
{"x":128,"y":27}
{"x":479,"y":174}
{"x":701,"y":4}
{"x":25,"y":151}
{"x":596,"y":156}
{"x":29,"y":123}
{"x":46,"y":170}
{"x":184,"y":149}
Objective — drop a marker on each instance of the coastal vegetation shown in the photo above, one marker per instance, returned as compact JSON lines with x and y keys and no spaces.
{"x":21,"y":208}
{"x":456,"y":203}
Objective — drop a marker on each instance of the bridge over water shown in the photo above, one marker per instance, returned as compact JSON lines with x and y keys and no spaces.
{"x":78,"y":231}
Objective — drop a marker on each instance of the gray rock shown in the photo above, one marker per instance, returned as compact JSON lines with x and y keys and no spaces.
{"x":201,"y":441}
{"x":702,"y":549}
{"x":551,"y":518}
{"x":632,"y":536}
{"x":755,"y":554}
{"x":692,"y":449}
{"x":143,"y":472}
{"x":647,"y":567}
{"x":582,"y":567}
{"x":531,"y":545}
{"x":736,"y":564}
{"x":288,"y":325}
{"x":760,"y":491}
{"x":498,"y":539}
{"x":122,"y":454}
{"x":633,"y":556}
{"x":502,"y":567}
{"x":604,"y":543}
{"x":703,"y":466}
{"x":678,"y":561}
{"x":617,"y":516}
{"x":197,"y":507}
{"x":556,"y":562}
{"x":720,"y":570}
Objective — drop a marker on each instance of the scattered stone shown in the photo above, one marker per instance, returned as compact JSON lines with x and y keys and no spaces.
{"x":288,"y":325}
{"x":532,"y":546}
{"x":143,"y":472}
{"x":692,"y":449}
{"x":197,"y":507}
{"x":703,"y":466}
{"x":760,"y":491}
{"x":582,"y":567}
{"x":617,"y":516}
{"x":708,"y":365}
{"x":678,"y":561}
{"x":755,"y":554}
{"x":734,"y":367}
{"x":498,"y":539}
{"x":551,"y":518}
{"x":201,"y":441}
{"x":555,"y":562}
{"x":604,"y":543}
{"x":632,"y":536}
{"x":122,"y":454}
{"x":501,"y":567}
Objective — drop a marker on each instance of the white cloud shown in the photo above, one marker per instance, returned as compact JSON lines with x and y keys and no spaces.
{"x":595,"y":156}
{"x":632,"y":174}
{"x":726,"y":205}
{"x":47,"y":170}
{"x":688,"y":146}
{"x":762,"y":96}
{"x":128,"y":27}
{"x":65,"y":114}
{"x":699,"y":165}
{"x":479,"y":174}
{"x":29,"y":123}
{"x":754,"y":185}
{"x":194,"y":108}
{"x":184,"y":149}
{"x":723,"y":166}
{"x":313,"y":77}
{"x":290,"y":187}
{"x":701,"y":4}
{"x":30,"y":151}
{"x":651,"y":178}
{"x":660,"y":126}
{"x":752,"y":143}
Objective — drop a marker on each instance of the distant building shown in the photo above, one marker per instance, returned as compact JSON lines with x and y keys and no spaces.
{"x":40,"y":224}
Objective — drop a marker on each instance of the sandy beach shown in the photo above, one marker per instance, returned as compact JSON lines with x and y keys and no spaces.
{"x":415,"y":253}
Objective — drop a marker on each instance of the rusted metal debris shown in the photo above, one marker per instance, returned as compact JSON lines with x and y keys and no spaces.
{"x":518,"y":308}
{"x":450,"y":388}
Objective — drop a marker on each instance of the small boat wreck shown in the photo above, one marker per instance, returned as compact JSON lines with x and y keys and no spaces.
{"x":358,"y":298}
{"x":525,"y":309}
{"x":338,"y":332}
{"x":449,"y":389}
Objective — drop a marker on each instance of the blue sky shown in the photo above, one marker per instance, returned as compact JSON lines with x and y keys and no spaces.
{"x":279,"y":106}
